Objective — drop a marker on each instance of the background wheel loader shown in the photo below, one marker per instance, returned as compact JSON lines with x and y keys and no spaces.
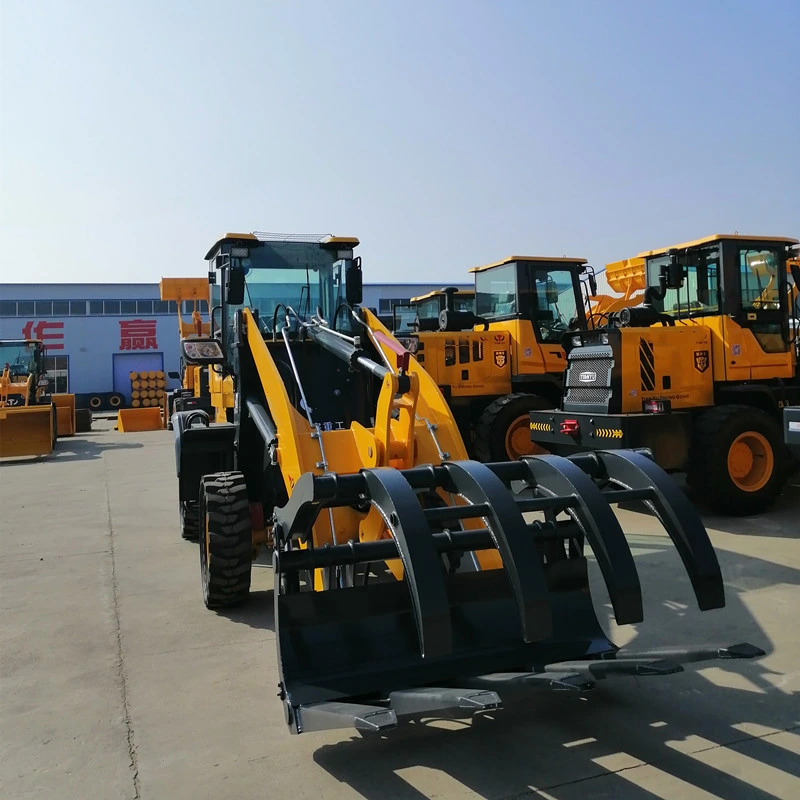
{"x":423,"y":313}
{"x":698,"y":374}
{"x":406,"y":579}
{"x":31,"y":418}
{"x":503,"y":358}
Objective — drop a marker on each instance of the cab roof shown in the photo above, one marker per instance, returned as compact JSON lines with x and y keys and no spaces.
{"x":323,"y":239}
{"x":441,"y":292}
{"x":543,"y":259}
{"x":717,"y":237}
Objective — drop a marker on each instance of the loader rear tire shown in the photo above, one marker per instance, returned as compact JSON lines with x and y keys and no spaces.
{"x":190,"y":519}
{"x":738,"y":461}
{"x":503,"y":431}
{"x":226,"y":542}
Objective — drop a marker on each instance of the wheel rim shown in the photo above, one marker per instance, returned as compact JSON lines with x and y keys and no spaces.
{"x":750,"y":461}
{"x":518,"y":439}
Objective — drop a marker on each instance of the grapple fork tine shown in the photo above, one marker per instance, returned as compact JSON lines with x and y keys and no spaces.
{"x":521,"y":559}
{"x":556,"y":476}
{"x":679,"y":518}
{"x":395,"y":499}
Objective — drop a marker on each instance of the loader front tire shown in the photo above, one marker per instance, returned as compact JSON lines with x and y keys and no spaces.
{"x":738,"y":461}
{"x":226,"y":544}
{"x":503,"y":431}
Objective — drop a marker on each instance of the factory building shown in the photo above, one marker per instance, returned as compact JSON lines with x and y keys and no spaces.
{"x":96,"y":335}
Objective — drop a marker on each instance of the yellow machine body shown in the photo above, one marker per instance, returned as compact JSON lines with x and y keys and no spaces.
{"x":698,"y":373}
{"x":28,"y":419}
{"x":661,"y":363}
{"x":504,"y":357}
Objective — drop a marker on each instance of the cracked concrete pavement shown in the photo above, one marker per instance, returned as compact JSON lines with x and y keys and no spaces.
{"x":115,"y":682}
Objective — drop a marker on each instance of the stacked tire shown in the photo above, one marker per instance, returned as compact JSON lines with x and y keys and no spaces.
{"x":148,"y":388}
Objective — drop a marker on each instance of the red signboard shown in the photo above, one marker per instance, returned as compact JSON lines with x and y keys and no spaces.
{"x":53,"y":340}
{"x":137,"y":334}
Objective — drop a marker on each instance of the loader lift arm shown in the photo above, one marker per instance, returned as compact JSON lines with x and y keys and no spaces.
{"x":407,"y":579}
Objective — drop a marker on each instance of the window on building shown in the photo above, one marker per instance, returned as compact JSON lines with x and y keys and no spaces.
{"x":77,"y":308}
{"x":25,"y":308}
{"x":173,"y":306}
{"x":160,"y":307}
{"x":144,"y":306}
{"x":44,"y":308}
{"x":387,"y":304}
{"x":57,"y":368}
{"x":128,"y":306}
{"x":111,"y":307}
{"x":60,"y":308}
{"x":95,"y":307}
{"x":8,"y":308}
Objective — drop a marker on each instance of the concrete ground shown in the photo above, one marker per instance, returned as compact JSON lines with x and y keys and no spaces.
{"x":116,"y":682}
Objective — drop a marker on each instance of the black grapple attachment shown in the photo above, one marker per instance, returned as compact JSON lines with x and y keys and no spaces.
{"x":453,"y":635}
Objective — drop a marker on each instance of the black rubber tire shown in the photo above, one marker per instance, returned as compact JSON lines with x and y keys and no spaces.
{"x":95,"y":402}
{"x":708,"y":475}
{"x":189,"y":511}
{"x":226,"y":542}
{"x":83,"y":420}
{"x":493,"y":423}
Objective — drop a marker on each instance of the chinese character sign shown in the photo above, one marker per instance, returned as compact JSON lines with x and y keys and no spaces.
{"x":137,"y":334}
{"x":50,"y":333}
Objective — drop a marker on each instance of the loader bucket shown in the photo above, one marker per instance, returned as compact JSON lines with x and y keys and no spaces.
{"x":65,"y":410}
{"x":451,"y":635}
{"x":134,"y":420}
{"x":26,"y":431}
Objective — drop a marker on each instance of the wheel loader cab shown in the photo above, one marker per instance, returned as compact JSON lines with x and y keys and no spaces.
{"x":537,"y":300}
{"x":698,"y":373}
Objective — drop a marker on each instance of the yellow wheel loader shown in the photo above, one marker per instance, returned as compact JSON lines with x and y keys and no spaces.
{"x":698,"y":374}
{"x":423,"y":313}
{"x":408,"y":580}
{"x":31,"y":417}
{"x":502,"y":358}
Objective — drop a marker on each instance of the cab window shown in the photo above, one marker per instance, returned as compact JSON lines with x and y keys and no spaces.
{"x":496,"y":292}
{"x":699,"y":294}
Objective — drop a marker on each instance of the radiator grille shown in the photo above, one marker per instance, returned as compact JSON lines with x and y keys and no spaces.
{"x":588,"y":378}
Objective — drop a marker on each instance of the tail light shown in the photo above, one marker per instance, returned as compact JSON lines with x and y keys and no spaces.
{"x":655,"y":406}
{"x":570,"y":427}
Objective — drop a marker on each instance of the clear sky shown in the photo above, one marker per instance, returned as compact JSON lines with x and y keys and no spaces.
{"x":444,"y":134}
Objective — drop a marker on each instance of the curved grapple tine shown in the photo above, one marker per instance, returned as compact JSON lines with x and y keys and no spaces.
{"x":677,"y":515}
{"x":521,"y":559}
{"x":400,"y":507}
{"x":556,"y":476}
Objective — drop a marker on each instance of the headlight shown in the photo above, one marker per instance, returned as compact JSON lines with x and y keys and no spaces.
{"x":603,"y":338}
{"x":576,"y":341}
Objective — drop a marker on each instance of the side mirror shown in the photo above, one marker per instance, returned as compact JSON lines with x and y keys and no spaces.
{"x":593,"y":284}
{"x":354,"y":287}
{"x":176,"y":376}
{"x":234,"y":286}
{"x":675,"y":273}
